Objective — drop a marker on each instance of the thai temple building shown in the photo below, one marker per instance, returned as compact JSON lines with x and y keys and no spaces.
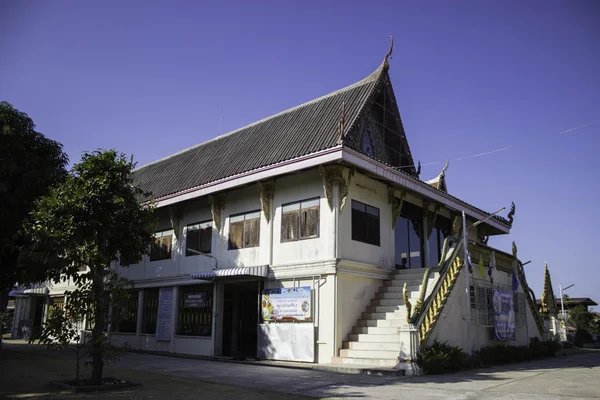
{"x":310,"y":236}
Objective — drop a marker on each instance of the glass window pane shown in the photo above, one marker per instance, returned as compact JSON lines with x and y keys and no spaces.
{"x":289,"y":226}
{"x":236,"y":235}
{"x":358,"y":206}
{"x":291,"y":207}
{"x":311,"y":203}
{"x":251,"y":232}
{"x":236,"y":218}
{"x":252,"y":215}
{"x":309,"y":224}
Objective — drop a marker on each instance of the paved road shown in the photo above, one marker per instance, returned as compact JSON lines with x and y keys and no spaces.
{"x":567,"y":377}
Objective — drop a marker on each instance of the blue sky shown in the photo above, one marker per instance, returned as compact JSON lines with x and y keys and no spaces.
{"x":151,"y":78}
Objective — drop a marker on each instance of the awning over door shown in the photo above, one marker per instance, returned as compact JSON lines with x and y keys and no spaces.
{"x":261,"y":272}
{"x":40,"y":290}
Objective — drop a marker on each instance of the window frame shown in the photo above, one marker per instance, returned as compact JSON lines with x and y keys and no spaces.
{"x":160,"y":234}
{"x":199,"y":224}
{"x":366,"y":214}
{"x":186,"y":318}
{"x":149,"y":318}
{"x":298,"y":228}
{"x":230,"y":245}
{"x":125,"y":313}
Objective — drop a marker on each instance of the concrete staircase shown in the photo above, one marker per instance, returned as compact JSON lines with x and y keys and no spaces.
{"x":375,"y":340}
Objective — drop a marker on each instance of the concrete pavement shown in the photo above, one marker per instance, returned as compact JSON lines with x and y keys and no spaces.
{"x":567,"y":377}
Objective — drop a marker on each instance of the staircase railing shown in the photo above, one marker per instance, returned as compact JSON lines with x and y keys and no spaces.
{"x":427,"y":310}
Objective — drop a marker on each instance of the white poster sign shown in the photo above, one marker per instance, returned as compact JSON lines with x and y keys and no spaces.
{"x":163,"y":320}
{"x":286,"y":304}
{"x":288,"y":342}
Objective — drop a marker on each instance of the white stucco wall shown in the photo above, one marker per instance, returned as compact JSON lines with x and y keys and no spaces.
{"x":451,"y":326}
{"x":372,"y":193}
{"x":354,"y":295}
{"x":295,"y":188}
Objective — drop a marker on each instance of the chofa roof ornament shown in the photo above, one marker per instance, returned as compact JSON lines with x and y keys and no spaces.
{"x":386,"y":65}
{"x":439,"y":182}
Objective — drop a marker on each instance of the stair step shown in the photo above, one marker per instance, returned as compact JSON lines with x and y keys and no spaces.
{"x":382,"y":323}
{"x":399,"y":313}
{"x":382,"y":362}
{"x":374,"y":337}
{"x":375,"y":330}
{"x":399,"y":289}
{"x":387,"y":302}
{"x":372,"y":346}
{"x":410,"y":285}
{"x":384,"y":309}
{"x":392,"y":355}
{"x":394,"y":295}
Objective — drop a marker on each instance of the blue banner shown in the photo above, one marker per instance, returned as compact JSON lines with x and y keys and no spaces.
{"x":504,"y":314}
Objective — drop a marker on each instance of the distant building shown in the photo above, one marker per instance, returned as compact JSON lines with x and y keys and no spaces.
{"x":310,"y":236}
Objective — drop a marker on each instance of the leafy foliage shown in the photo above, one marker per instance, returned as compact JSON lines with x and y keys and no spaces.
{"x":30,"y":164}
{"x":442,"y":357}
{"x":6,"y":320}
{"x":581,"y":318}
{"x":92,"y":219}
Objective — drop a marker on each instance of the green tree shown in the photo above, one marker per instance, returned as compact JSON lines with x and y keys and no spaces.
{"x":30,"y":164}
{"x":93,"y":219}
{"x":581,"y":318}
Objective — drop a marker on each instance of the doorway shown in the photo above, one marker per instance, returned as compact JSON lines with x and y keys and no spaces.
{"x":240,"y":319}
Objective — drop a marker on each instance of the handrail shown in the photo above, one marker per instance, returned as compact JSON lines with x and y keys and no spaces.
{"x":426,"y":321}
{"x":416,"y":312}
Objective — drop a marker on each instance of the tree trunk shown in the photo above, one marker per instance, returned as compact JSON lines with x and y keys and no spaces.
{"x":97,"y":331}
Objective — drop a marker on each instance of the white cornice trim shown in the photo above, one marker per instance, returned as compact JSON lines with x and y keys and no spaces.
{"x":362,"y":269}
{"x":285,"y":167}
{"x":360,"y":160}
{"x":302,"y":270}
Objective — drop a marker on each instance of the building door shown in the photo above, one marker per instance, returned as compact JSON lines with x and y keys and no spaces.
{"x":240,"y":319}
{"x":38,"y":311}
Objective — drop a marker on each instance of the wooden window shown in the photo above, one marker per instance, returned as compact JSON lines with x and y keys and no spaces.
{"x":150,"y":310}
{"x":198,"y":238}
{"x":162,"y":246}
{"x":57,"y":303}
{"x":365,"y":223}
{"x":244,"y":230}
{"x":125,"y":313}
{"x":300,"y":220}
{"x":194,"y":314}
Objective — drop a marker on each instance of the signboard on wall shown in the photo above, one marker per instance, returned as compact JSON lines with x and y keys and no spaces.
{"x":163,"y":320}
{"x":194,"y":300}
{"x":287,"y":304}
{"x":504,"y":314}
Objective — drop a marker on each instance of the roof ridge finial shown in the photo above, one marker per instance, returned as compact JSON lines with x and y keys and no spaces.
{"x":389,"y":53}
{"x":443,"y":173}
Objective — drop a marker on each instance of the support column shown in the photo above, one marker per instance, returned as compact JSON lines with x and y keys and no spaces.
{"x":140,"y":316}
{"x":174,"y":318}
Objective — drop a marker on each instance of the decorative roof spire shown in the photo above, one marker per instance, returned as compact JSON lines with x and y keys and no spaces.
{"x":386,"y":65}
{"x":548,"y":300}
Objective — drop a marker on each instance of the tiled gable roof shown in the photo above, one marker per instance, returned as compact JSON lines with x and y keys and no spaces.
{"x":299,"y":131}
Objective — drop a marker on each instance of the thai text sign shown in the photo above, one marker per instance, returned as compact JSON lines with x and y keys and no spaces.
{"x":163,"y":320}
{"x":194,"y":300}
{"x":286,"y":304}
{"x":504,"y":314}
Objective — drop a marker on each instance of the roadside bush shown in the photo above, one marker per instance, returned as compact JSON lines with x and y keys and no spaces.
{"x":441,"y":357}
{"x":582,"y":336}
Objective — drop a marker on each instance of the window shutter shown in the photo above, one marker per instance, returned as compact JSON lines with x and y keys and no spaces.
{"x":236,"y":234}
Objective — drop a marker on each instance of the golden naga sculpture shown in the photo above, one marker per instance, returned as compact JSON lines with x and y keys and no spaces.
{"x":406,"y":302}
